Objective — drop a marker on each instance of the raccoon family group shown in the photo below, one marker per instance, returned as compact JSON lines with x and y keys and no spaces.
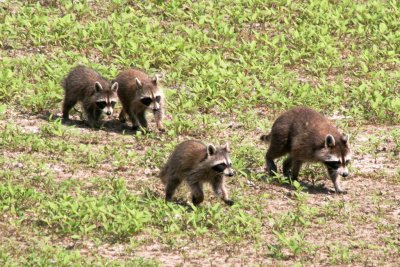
{"x":301,"y":133}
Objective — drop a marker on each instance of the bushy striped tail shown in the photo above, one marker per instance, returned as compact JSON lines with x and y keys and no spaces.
{"x":265,"y":138}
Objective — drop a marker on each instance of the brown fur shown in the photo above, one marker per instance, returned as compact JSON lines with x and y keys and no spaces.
{"x":130,"y":94}
{"x":80,"y":86}
{"x":195,"y":162}
{"x":306,"y":136}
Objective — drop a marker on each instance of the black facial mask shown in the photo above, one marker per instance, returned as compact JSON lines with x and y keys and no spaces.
{"x":101,"y":104}
{"x":146,"y":101}
{"x":220,"y":167}
{"x":332,"y":164}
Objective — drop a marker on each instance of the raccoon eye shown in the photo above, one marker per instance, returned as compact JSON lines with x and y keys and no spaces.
{"x":146,"y":101}
{"x":220,"y":167}
{"x":101,"y":104}
{"x":158,"y":98}
{"x":113,"y":103}
{"x":332,"y":164}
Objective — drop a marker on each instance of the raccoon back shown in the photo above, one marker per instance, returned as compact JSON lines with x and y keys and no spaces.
{"x":184,"y":158}
{"x":265,"y":138}
{"x":81,"y":80}
{"x":302,"y":129}
{"x":128,"y":90}
{"x":308,"y":124}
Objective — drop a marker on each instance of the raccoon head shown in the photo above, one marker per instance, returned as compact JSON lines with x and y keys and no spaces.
{"x":218,"y":159}
{"x":106,"y":98}
{"x":336,"y":154}
{"x":151,"y":96}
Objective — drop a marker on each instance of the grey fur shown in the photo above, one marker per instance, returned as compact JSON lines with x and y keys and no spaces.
{"x":87,"y":86}
{"x":307,"y":136}
{"x":136,"y":86}
{"x":194,"y":162}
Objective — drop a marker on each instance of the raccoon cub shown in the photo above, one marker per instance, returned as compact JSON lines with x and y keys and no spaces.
{"x":307,"y":136}
{"x":138,"y":93}
{"x":197,"y":163}
{"x":96,"y":94}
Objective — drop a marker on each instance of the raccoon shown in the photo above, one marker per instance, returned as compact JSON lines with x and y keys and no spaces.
{"x":307,"y":136}
{"x":197,"y":163}
{"x":139,"y":93}
{"x":96,"y":94}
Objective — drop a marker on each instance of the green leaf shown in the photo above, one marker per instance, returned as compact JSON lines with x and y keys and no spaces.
{"x":382,"y":27}
{"x":3,"y":109}
{"x":76,"y":237}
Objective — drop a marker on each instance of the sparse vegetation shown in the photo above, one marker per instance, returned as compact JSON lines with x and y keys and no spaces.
{"x":71,"y":195}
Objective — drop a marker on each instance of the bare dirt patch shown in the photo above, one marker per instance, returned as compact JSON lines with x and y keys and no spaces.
{"x":345,"y":229}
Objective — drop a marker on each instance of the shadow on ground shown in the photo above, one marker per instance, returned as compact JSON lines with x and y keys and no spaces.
{"x":114,"y":125}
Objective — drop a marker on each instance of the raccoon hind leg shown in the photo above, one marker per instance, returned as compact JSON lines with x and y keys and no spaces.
{"x":170,"y":187}
{"x":274,"y":151}
{"x":271,"y":167}
{"x":287,"y":165}
{"x":296,"y":166}
{"x":270,"y":164}
{"x":67,"y":105}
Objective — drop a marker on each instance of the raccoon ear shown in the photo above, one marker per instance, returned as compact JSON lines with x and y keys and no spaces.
{"x":211,"y":150}
{"x":98,"y":87}
{"x":155,"y":80}
{"x":114,"y":87}
{"x":226,"y":147}
{"x":345,"y":138}
{"x":138,"y":83}
{"x":329,"y":141}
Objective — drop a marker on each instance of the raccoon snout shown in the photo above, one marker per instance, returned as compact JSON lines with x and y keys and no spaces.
{"x":345,"y":174}
{"x":155,"y":109}
{"x":230,"y":174}
{"x":108,"y":113}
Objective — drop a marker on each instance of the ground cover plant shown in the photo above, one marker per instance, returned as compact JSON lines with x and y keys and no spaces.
{"x":71,"y":195}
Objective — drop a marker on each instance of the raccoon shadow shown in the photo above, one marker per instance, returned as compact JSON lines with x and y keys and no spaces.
{"x":113,"y":125}
{"x":154,"y":195}
{"x":308,"y":187}
{"x":316,"y":189}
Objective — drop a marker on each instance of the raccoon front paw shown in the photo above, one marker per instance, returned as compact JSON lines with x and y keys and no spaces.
{"x":197,"y":200}
{"x":341,"y":192}
{"x":135,"y":128}
{"x":337,"y":191}
{"x":160,"y":126}
{"x":229,"y":202}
